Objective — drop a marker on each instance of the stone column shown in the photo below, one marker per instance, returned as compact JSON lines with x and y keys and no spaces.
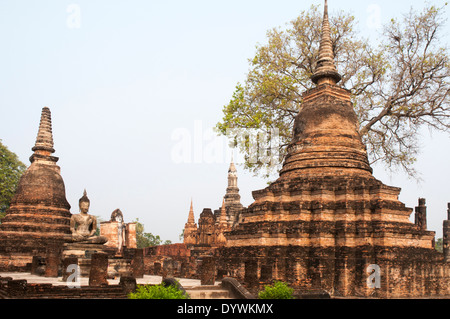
{"x":137,"y":263}
{"x":65,"y":265}
{"x":99,"y":270}
{"x":207,"y":271}
{"x":446,"y":234}
{"x":52,"y":261}
{"x":421,"y":215}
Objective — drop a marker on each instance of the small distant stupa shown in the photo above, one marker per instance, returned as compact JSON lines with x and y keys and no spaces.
{"x":232,"y":199}
{"x":211,"y":226}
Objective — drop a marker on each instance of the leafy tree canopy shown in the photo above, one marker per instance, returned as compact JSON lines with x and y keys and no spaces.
{"x":147,"y":239}
{"x":397,"y":87}
{"x":11,"y":169}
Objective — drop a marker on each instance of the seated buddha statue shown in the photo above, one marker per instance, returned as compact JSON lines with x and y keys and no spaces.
{"x":83,"y":225}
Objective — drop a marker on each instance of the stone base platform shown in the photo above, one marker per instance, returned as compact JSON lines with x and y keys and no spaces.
{"x":83,"y":252}
{"x":80,"y":250}
{"x":116,"y":266}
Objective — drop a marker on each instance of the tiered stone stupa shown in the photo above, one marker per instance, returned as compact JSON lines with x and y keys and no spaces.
{"x":39,"y":215}
{"x":232,"y":199}
{"x":211,"y":226}
{"x":327,"y":219}
{"x":190,"y":233}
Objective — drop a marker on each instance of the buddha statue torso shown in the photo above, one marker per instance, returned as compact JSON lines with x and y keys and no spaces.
{"x":83,"y":226}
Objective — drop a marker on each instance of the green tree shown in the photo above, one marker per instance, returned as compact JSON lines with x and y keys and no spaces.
{"x":147,"y":239}
{"x":181,"y":236}
{"x":398,"y":86}
{"x":99,"y":220}
{"x":279,"y":290}
{"x":439,"y":245}
{"x":157,"y":292}
{"x":11,"y":169}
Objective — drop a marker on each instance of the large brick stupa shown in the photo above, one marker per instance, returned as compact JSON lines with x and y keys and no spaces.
{"x":38,"y":219}
{"x":327,"y":223}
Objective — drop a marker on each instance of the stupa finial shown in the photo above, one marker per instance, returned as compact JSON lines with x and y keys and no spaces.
{"x":326,"y":71}
{"x":43,"y":148}
{"x":191,"y":218}
{"x":232,"y":168}
{"x":223,"y":214}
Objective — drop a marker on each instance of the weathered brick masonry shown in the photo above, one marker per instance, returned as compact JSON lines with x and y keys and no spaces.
{"x":327,"y":218}
{"x":39,"y":214}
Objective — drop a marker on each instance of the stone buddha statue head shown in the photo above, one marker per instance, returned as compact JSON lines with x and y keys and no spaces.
{"x":84,"y":203}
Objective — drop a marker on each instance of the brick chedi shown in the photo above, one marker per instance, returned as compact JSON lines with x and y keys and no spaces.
{"x":210,"y":230}
{"x":211,"y":226}
{"x":327,"y":218}
{"x":190,"y":233}
{"x":39,"y":214}
{"x":232,"y":199}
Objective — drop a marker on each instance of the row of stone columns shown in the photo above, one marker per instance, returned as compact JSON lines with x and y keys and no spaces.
{"x":421,"y":221}
{"x":98,"y":273}
{"x":446,"y":236}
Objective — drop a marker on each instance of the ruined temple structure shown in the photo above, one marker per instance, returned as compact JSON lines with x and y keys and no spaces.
{"x":190,"y":232}
{"x":201,"y":238}
{"x":232,"y":199}
{"x":38,"y":218}
{"x":199,"y":244}
{"x":212,"y":226}
{"x":446,"y":234}
{"x":210,"y":230}
{"x":327,"y":220}
{"x":36,"y":234}
{"x":119,"y":233}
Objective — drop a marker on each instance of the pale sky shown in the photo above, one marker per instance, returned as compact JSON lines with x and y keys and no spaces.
{"x":123,"y":78}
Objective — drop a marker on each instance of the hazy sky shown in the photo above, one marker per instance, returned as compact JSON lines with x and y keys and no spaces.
{"x":123,"y":80}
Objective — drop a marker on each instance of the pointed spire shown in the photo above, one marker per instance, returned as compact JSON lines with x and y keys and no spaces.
{"x":326,"y":71}
{"x":190,"y":228}
{"x":232,"y":175}
{"x":223,"y":214}
{"x":232,"y":192}
{"x":232,"y":168}
{"x":44,"y":140}
{"x":191,"y":218}
{"x":43,"y":148}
